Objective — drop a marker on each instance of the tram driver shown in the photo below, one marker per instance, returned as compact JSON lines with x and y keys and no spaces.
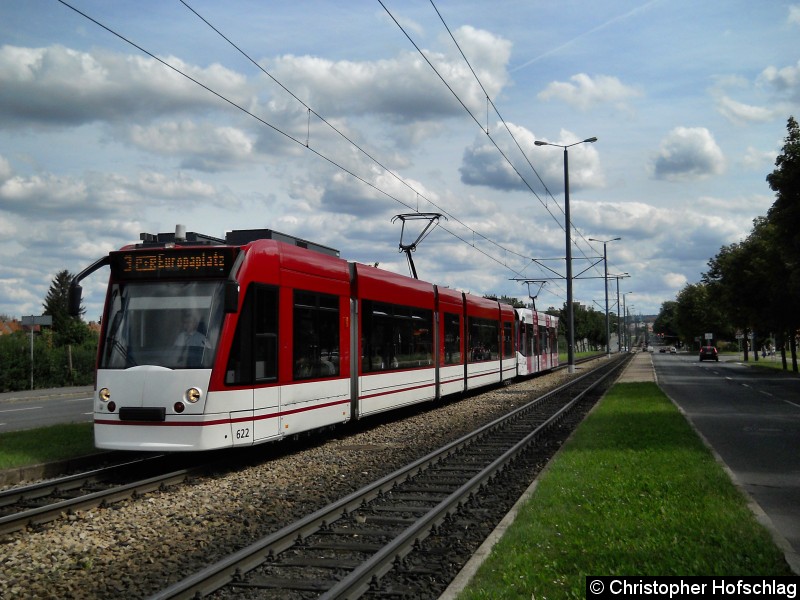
{"x":191,"y":341}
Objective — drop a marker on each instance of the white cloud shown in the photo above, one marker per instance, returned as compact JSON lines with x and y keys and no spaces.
{"x":5,"y":169}
{"x":783,"y":80}
{"x":199,"y":146}
{"x":402,"y":87}
{"x":482,"y":163}
{"x":688,"y":153}
{"x":757,"y":160}
{"x":739,"y":112}
{"x":585,"y":91}
{"x":674,"y":281}
{"x":47,"y":193}
{"x":64,"y":87}
{"x":794,"y":15}
{"x":776,"y":91}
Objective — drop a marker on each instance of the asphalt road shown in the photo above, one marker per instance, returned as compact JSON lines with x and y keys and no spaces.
{"x":40,"y":408}
{"x":751,"y":417}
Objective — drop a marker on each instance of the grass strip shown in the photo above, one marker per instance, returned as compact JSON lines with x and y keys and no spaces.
{"x":634,"y":492}
{"x":46,"y":444}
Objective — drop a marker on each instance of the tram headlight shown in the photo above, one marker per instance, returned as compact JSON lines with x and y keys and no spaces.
{"x":192,"y":395}
{"x":104,"y":394}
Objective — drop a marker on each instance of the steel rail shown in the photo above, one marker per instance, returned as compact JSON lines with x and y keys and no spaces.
{"x":52,"y":511}
{"x":360,"y":579}
{"x":41,"y":489}
{"x":232,"y":567}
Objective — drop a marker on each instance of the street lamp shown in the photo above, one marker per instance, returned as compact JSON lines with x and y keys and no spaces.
{"x":605,"y":278}
{"x":570,"y":310}
{"x":626,"y":336}
{"x":619,"y":328}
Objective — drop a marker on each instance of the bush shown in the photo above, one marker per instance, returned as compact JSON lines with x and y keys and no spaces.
{"x":50,"y":362}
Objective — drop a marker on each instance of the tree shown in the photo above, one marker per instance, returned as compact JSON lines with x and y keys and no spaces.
{"x":664,"y":325}
{"x":590,"y":325}
{"x":67,"y":329}
{"x":784,"y":215}
{"x":697,"y":313}
{"x":785,"y":182}
{"x":746,"y":280}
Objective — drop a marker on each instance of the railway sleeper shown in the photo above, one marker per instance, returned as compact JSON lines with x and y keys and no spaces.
{"x":434,"y":479}
{"x":389,"y":520}
{"x":400,"y":508}
{"x":360,"y":532}
{"x":321,"y":563}
{"x":274,"y":583}
{"x":460,"y":467}
{"x":344,"y":545}
{"x":429,"y":491}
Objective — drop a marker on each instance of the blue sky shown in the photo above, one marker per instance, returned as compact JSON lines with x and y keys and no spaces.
{"x":689,"y":101}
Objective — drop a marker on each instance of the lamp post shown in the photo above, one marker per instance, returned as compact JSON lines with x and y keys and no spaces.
{"x":625,"y":320}
{"x":605,"y":278}
{"x":619,"y":327}
{"x":570,"y":309}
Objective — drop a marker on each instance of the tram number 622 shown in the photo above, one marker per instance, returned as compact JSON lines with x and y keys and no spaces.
{"x":242,"y":434}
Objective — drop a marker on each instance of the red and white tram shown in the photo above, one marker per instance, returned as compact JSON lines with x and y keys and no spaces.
{"x":210,"y":343}
{"x":537,"y":342}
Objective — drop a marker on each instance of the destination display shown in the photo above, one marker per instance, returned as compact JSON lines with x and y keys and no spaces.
{"x":177,"y":263}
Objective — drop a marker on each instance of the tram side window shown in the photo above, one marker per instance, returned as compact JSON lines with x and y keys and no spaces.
{"x":530,"y":341}
{"x":396,"y":337}
{"x":543,"y":340}
{"x":483,"y":339}
{"x":254,"y":353}
{"x":508,"y":339}
{"x":316,"y":335}
{"x":452,"y":339}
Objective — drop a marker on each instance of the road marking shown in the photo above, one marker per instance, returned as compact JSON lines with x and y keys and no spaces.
{"x":766,"y":393}
{"x":792,"y":403}
{"x":8,"y":410}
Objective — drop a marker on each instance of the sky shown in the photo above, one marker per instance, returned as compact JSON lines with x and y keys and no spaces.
{"x":325,"y":120}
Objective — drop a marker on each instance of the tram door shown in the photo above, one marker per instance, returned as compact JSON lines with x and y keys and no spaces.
{"x":530,"y":348}
{"x":253,"y":364}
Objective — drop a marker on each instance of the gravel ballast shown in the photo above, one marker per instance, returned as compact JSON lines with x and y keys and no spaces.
{"x":136,"y":547}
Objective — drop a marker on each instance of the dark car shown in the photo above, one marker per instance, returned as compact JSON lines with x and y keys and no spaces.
{"x":709,"y":353}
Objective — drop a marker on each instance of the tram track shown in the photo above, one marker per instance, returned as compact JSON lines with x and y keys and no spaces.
{"x":357,"y":545}
{"x":46,"y":501}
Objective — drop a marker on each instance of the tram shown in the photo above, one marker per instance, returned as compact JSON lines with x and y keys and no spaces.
{"x":211,"y":343}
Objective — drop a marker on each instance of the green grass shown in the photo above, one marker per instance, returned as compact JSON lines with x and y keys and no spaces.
{"x":634,"y":492}
{"x":47,"y":444}
{"x":771,"y":362}
{"x":765,"y":362}
{"x":562,"y":357}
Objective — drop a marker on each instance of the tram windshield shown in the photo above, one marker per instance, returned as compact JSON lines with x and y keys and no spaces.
{"x":168,"y":324}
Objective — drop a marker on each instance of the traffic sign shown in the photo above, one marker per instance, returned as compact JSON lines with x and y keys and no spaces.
{"x":32,"y":320}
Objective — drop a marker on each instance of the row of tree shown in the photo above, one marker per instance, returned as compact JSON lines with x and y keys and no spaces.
{"x":752,"y":287}
{"x":63,"y":355}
